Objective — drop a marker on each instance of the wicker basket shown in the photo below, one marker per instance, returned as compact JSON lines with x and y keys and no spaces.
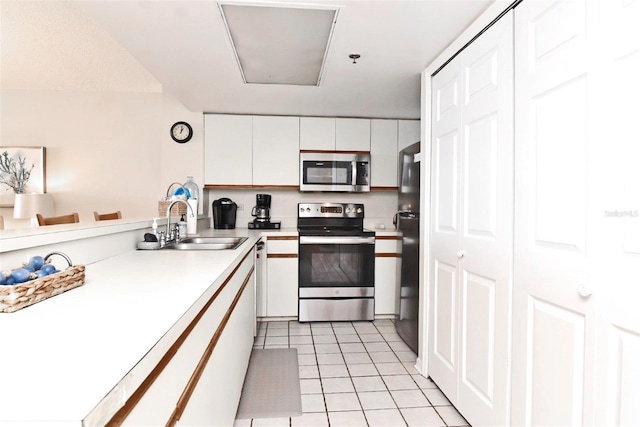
{"x":177,"y":209}
{"x":15,"y":297}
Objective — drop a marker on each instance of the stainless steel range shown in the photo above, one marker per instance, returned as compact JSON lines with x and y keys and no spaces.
{"x":336,"y":263}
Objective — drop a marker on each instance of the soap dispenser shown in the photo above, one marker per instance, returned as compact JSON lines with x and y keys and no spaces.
{"x":154,"y":227}
{"x":182,"y":227}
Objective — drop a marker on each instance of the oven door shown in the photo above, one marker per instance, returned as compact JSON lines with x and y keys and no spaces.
{"x":336,"y":278}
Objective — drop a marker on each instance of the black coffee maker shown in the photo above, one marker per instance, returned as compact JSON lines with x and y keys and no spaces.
{"x":262,"y":213}
{"x":224,"y":213}
{"x":261,"y":210}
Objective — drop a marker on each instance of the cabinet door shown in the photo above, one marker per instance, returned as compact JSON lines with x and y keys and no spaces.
{"x":188,"y":387}
{"x":472,"y":236}
{"x":408,"y":133}
{"x":282,"y":286}
{"x":282,"y":276}
{"x":275,"y":150}
{"x":227,"y":149}
{"x":215,"y":399}
{"x":317,"y":133}
{"x":353,"y":134}
{"x":387,"y":293}
{"x":384,"y":153}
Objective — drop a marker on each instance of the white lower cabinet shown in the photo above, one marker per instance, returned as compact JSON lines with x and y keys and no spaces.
{"x":215,"y":399}
{"x":387,"y":296}
{"x":282,"y":276}
{"x":199,"y":380}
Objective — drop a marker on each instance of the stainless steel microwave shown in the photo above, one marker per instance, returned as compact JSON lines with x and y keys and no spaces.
{"x":335,"y":171}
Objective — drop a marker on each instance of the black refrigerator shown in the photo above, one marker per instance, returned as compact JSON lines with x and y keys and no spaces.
{"x":407,"y":221}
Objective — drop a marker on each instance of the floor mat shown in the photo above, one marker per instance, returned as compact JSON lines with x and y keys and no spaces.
{"x":272,"y":385}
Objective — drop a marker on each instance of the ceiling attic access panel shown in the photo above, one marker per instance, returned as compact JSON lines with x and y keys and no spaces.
{"x":278,"y":43}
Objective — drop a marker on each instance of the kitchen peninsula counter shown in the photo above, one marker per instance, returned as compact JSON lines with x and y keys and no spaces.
{"x":75,"y":358}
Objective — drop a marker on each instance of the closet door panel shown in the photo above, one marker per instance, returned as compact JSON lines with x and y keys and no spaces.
{"x":446,"y":184}
{"x":554,"y":331}
{"x":471,"y":235}
{"x":445,"y":229}
{"x":481,"y":174}
{"x":555,"y":368}
{"x":618,"y":217}
{"x":478,"y":349}
{"x":444,"y":361}
{"x":487,"y":225}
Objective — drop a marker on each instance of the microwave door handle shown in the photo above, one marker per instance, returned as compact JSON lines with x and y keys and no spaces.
{"x":354,"y":173}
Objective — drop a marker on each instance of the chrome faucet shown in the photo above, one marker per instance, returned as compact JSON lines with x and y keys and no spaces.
{"x":167,"y":234}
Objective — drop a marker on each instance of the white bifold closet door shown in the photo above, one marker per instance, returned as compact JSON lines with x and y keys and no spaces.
{"x":471,"y":234}
{"x":577,"y":213}
{"x":618,"y":227}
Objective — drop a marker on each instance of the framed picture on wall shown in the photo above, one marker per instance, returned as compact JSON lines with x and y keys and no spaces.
{"x":22,"y":170}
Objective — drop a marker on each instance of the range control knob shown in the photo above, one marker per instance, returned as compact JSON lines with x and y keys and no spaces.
{"x":348,"y":210}
{"x":359,"y":210}
{"x":308,"y":209}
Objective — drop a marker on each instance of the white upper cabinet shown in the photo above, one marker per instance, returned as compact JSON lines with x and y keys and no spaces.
{"x":384,"y":153}
{"x":353,"y":134}
{"x":408,"y":133}
{"x":275,"y":142}
{"x":227,"y":149}
{"x":335,"y":134}
{"x":317,"y":133}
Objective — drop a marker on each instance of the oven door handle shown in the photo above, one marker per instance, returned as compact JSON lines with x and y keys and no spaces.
{"x":336,"y":240}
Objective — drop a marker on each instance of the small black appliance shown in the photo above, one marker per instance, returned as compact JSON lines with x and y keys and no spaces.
{"x":224,"y":213}
{"x":261,"y":213}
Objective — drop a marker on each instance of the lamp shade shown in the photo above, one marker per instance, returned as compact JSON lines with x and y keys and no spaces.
{"x":27,"y":205}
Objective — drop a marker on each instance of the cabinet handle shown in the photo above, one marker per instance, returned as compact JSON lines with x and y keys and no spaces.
{"x":459,"y":253}
{"x":584,"y":290}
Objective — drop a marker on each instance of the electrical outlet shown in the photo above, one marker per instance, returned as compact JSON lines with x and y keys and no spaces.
{"x":240,"y":207}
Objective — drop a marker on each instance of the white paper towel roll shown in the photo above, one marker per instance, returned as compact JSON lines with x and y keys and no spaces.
{"x":192,"y":217}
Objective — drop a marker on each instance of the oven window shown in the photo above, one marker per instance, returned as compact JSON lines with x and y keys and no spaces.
{"x":336,"y":265}
{"x":328,"y":172}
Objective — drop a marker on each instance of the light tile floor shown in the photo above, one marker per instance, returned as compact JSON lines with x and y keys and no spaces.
{"x":355,"y":374}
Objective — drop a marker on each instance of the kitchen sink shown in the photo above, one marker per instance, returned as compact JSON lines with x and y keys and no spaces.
{"x":207,"y":243}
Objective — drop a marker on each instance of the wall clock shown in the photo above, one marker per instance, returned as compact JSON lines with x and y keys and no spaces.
{"x":181,"y":132}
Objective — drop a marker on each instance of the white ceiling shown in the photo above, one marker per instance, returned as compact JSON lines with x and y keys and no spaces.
{"x":184,"y":44}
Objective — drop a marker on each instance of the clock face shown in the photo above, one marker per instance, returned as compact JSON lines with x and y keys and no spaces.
{"x":181,"y":132}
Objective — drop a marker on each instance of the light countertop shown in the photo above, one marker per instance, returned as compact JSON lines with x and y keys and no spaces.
{"x":62,"y":356}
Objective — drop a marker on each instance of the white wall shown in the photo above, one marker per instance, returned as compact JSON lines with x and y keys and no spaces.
{"x":65,"y":84}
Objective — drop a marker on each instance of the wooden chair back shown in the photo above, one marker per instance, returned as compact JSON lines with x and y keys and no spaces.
{"x":1,"y":222}
{"x":62,"y":219}
{"x":111,"y":215}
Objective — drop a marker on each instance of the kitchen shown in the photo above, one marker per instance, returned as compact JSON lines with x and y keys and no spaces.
{"x":87,"y":123}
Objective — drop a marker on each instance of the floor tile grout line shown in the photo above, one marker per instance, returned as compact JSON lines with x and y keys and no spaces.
{"x":368,"y":352}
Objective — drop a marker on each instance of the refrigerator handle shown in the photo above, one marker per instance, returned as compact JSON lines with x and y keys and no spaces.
{"x":396,"y":217}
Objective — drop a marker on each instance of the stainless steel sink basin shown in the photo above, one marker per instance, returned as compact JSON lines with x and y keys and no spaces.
{"x":207,"y":243}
